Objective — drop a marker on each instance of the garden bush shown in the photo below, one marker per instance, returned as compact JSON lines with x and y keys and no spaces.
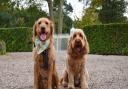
{"x":108,"y":39}
{"x":17,"y":39}
{"x":2,"y":47}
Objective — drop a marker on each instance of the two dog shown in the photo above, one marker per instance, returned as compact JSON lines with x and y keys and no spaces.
{"x":45,"y":73}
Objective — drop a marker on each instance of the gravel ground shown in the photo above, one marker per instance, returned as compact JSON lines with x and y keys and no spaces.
{"x":106,"y":72}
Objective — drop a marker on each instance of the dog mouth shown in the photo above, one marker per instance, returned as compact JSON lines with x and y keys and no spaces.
{"x":78,"y":47}
{"x":43,"y":36}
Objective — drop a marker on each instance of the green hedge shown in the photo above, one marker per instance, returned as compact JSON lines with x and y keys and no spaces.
{"x":17,"y":39}
{"x":2,"y":47}
{"x":108,"y":39}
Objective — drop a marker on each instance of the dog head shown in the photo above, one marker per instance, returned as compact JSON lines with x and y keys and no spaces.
{"x":43,"y":28}
{"x":78,"y":44}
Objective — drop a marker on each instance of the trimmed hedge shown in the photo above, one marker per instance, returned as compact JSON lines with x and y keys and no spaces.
{"x":17,"y":39}
{"x":2,"y":47}
{"x":108,"y":39}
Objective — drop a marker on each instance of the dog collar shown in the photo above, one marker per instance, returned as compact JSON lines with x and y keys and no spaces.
{"x":41,"y":46}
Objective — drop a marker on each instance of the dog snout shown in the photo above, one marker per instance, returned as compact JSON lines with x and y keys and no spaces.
{"x":42,"y":29}
{"x":78,"y":41}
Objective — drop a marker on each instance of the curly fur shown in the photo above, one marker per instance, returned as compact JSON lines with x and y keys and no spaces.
{"x":75,"y":73}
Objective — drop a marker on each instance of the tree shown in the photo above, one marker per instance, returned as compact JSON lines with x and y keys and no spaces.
{"x":14,"y":14}
{"x":112,"y":11}
{"x":11,"y":15}
{"x":90,"y":14}
{"x":90,"y":17}
{"x":50,"y":5}
{"x":60,"y":19}
{"x":5,"y":15}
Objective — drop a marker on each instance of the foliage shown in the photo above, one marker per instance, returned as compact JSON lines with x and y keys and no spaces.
{"x":90,"y":14}
{"x":67,"y":21}
{"x":16,"y":39}
{"x":2,"y":47}
{"x":108,"y":38}
{"x":103,"y":39}
{"x":102,"y":11}
{"x":14,"y":16}
{"x":112,"y":11}
{"x":90,"y":17}
{"x":67,"y":25}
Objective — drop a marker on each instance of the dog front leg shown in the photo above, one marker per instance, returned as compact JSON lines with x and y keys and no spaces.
{"x":36,"y":77}
{"x":50,"y":77}
{"x":71,"y":80}
{"x":83,"y":79}
{"x":65,"y":78}
{"x":55,"y":78}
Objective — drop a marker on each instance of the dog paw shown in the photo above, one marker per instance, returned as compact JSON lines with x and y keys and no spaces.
{"x":71,"y":87}
{"x":65,"y":84}
{"x":59,"y":87}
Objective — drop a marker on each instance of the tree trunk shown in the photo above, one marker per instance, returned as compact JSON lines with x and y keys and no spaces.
{"x":60,"y":20}
{"x":50,"y":5}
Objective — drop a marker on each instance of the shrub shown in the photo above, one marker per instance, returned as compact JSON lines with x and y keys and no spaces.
{"x":17,"y":39}
{"x":108,"y":39}
{"x":2,"y":47}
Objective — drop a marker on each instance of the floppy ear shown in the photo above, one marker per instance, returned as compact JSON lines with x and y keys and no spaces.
{"x":34,"y":31}
{"x":51,"y":32}
{"x":52,"y":28}
{"x":86,"y":45}
{"x":69,"y":46}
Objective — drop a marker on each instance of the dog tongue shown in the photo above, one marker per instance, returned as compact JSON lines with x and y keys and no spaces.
{"x":78,"y":49}
{"x":43,"y":37}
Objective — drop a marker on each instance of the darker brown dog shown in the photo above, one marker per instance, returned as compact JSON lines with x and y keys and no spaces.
{"x":45,"y":74}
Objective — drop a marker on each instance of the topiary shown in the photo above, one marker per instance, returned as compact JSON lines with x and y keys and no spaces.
{"x":2,"y":47}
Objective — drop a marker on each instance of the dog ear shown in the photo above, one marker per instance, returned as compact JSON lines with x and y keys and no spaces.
{"x":69,"y":46}
{"x":86,"y":45}
{"x":52,"y":28}
{"x":51,"y":32}
{"x":34,"y":31}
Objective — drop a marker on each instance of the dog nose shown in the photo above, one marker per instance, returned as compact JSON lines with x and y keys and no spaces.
{"x":42,"y":28}
{"x":77,"y":41}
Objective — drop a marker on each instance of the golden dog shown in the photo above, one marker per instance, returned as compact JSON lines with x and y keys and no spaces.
{"x":76,"y":72}
{"x":45,"y":74}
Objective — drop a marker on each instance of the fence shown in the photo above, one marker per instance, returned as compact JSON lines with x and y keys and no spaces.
{"x":61,"y":41}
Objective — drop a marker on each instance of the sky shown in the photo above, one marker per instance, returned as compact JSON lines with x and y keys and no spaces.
{"x":77,"y":8}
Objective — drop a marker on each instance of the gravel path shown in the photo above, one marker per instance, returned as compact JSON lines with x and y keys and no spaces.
{"x":106,"y":72}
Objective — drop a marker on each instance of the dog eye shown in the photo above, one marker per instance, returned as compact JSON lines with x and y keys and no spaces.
{"x":81,"y":35}
{"x":74,"y":35}
{"x":46,"y":23}
{"x":39,"y":23}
